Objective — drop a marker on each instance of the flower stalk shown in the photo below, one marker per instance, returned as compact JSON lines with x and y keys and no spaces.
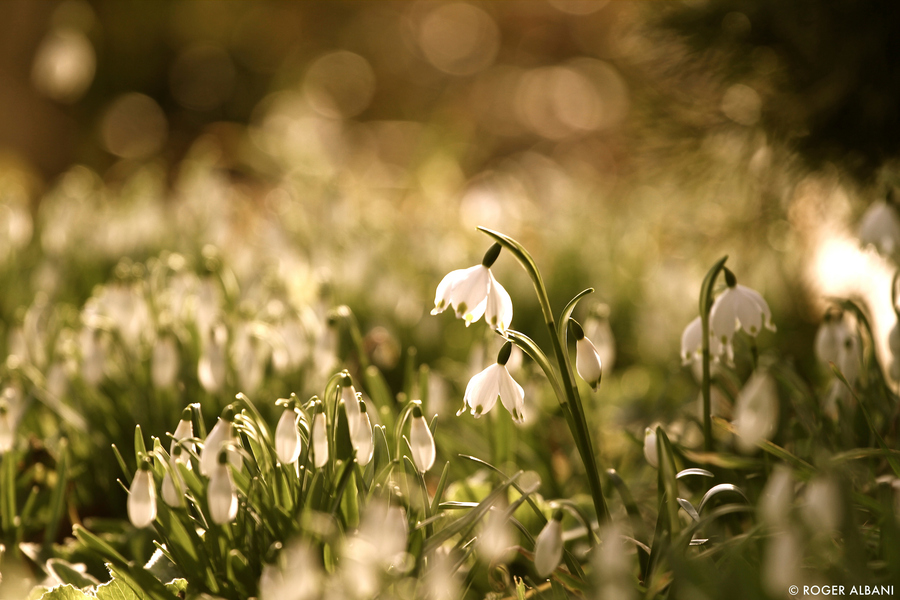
{"x":706,"y":302}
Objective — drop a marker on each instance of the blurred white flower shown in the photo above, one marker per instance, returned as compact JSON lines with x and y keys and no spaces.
{"x":496,"y":537}
{"x":173,"y":485}
{"x":296,"y":574}
{"x":756,"y":411}
{"x":474,"y":292}
{"x":351,"y":403}
{"x":183,"y":431}
{"x":164,"y":362}
{"x":692,"y":343}
{"x":421,"y":441}
{"x":650,"y":451}
{"x":880,"y":226}
{"x":220,"y":438}
{"x":735,"y":308}
{"x":777,"y":497}
{"x":830,"y":335}
{"x":320,"y":437}
{"x":287,"y":437}
{"x":7,"y":432}
{"x":223,"y":502}
{"x":548,"y":548}
{"x":823,"y":505}
{"x":142,"y":498}
{"x":597,"y":329}
{"x":484,"y":388}
{"x":361,"y":436}
{"x":212,"y":367}
{"x":587,"y":359}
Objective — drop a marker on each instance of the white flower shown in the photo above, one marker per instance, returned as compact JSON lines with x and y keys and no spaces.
{"x":650,"y":452}
{"x":756,"y":411}
{"x":223,"y":503}
{"x":297,"y":574}
{"x":483,"y":389}
{"x":421,"y":441}
{"x":474,"y":292}
{"x":880,"y":226}
{"x":142,"y":498}
{"x":287,"y":437}
{"x":320,"y":438}
{"x":7,"y":433}
{"x":738,"y":307}
{"x":173,"y":485}
{"x":548,"y":548}
{"x":361,"y":436}
{"x":212,"y":367}
{"x":831,"y":333}
{"x":221,"y":436}
{"x":587,"y":359}
{"x":351,"y":403}
{"x":692,"y":343}
{"x":164,"y":362}
{"x":184,"y":431}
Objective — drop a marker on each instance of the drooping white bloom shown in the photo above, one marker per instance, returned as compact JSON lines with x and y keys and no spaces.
{"x":287,"y":437}
{"x":184,"y":431}
{"x":421,"y":441}
{"x":223,"y":502}
{"x":351,"y":403}
{"x":829,"y":336}
{"x":548,"y":548}
{"x":164,"y":362}
{"x":777,"y":497}
{"x":142,"y":498}
{"x":297,"y":574}
{"x":221,"y":436}
{"x":496,"y":537}
{"x":474,"y":292}
{"x":756,"y":411}
{"x":587,"y":359}
{"x":361,"y":436}
{"x":880,"y":226}
{"x":650,"y":452}
{"x":485,"y":387}
{"x":320,"y":438}
{"x":823,"y":504}
{"x":738,"y":307}
{"x":212,"y":366}
{"x":692,"y":343}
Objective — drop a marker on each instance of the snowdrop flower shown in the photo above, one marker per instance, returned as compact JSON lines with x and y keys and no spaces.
{"x":880,"y":226}
{"x":212,"y":367}
{"x":756,"y":411}
{"x":320,"y":437}
{"x":738,"y":307}
{"x":361,"y":436}
{"x":142,"y":497}
{"x":173,"y":485}
{"x":548,"y":548}
{"x":587,"y":359}
{"x":7,"y":434}
{"x":692,"y":343}
{"x":496,"y":537}
{"x":223,"y":503}
{"x":830,"y":336}
{"x":474,"y":292}
{"x":297,"y":574}
{"x":351,"y":403}
{"x":777,"y":497}
{"x":287,"y":436}
{"x":184,"y":431}
{"x":421,"y":441}
{"x":221,"y":436}
{"x":483,"y":389}
{"x":650,"y":452}
{"x":164,"y":362}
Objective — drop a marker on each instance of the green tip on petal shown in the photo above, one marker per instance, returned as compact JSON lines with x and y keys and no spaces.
{"x":417,"y":411}
{"x":228,"y":414}
{"x":730,"y":279}
{"x":503,"y":355}
{"x":490,"y":257}
{"x":222,"y":458}
{"x":186,"y":414}
{"x":145,"y":465}
{"x":577,"y":331}
{"x":558,"y":514}
{"x":362,"y":406}
{"x":346,"y":381}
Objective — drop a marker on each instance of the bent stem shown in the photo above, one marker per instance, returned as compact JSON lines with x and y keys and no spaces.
{"x":569,"y":400}
{"x":706,"y":301}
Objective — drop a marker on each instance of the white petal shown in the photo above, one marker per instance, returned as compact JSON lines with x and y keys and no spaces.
{"x":548,"y":548}
{"x":351,"y":407}
{"x":442,"y":295}
{"x":469,"y":293}
{"x":499,"y":309}
{"x":722,"y":319}
{"x":223,"y":503}
{"x":7,"y":435}
{"x":362,"y":439}
{"x":482,"y":390}
{"x":587,"y":362}
{"x":142,"y":499}
{"x":320,"y":441}
{"x":211,"y":446}
{"x":756,"y":411}
{"x":421,"y":442}
{"x":287,"y":438}
{"x":828,"y":340}
{"x":511,"y":395}
{"x":184,"y":431}
{"x":173,"y":489}
{"x":748,"y":310}
{"x":691,"y":340}
{"x":650,"y":452}
{"x":761,"y":304}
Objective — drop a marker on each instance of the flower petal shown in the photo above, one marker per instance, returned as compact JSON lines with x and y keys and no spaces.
{"x":499,"y":310}
{"x":482,"y":391}
{"x":512,"y":395}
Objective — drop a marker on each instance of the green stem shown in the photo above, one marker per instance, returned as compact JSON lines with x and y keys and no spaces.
{"x":706,"y":301}
{"x":577,"y":424}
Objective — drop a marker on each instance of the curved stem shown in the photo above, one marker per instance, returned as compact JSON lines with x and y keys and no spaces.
{"x":706,"y":293}
{"x":577,"y":423}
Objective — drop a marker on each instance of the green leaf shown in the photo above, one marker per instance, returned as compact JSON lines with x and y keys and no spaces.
{"x":65,"y":592}
{"x":58,"y":497}
{"x":66,"y":573}
{"x":562,"y":327}
{"x":117,"y":590}
{"x":139,"y":448}
{"x":666,"y":482}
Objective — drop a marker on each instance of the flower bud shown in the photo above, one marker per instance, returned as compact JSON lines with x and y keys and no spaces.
{"x":142,"y":498}
{"x":587,"y":359}
{"x":548,"y":548}
{"x":320,"y":437}
{"x":650,"y":452}
{"x":220,"y":437}
{"x":287,"y":437}
{"x":421,"y":441}
{"x":184,"y":431}
{"x":223,"y":503}
{"x":361,"y":436}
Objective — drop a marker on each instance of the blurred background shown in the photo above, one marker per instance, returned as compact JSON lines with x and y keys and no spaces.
{"x":342,"y":153}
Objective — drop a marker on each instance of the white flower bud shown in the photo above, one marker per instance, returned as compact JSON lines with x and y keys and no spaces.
{"x":587,"y":362}
{"x":650,"y":452}
{"x":320,"y":438}
{"x":220,"y":437}
{"x":142,"y":498}
{"x":548,"y":548}
{"x":421,"y":441}
{"x":223,"y":502}
{"x":361,"y":436}
{"x":756,"y":411}
{"x":173,"y":486}
{"x":287,"y":437}
{"x":184,"y":431}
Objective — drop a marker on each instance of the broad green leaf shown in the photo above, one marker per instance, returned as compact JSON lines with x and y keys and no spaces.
{"x":66,"y":573}
{"x":117,"y":590}
{"x":65,"y":592}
